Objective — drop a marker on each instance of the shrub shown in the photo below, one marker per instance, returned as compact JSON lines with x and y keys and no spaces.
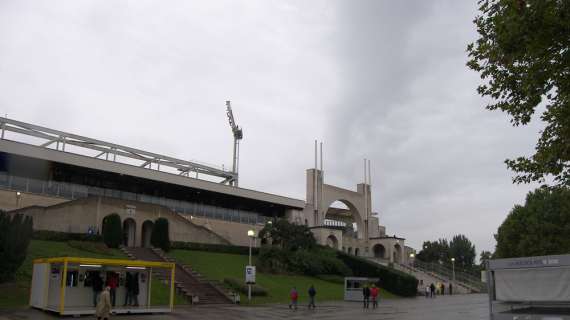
{"x":160,"y":234}
{"x":222,"y":248}
{"x":392,"y":280}
{"x":306,"y":262}
{"x":64,"y":236}
{"x":112,"y":230}
{"x":331,"y":278}
{"x":15,"y":235}
{"x":240,"y":286}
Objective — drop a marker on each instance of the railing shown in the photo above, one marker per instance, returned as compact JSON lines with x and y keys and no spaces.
{"x":73,"y":191}
{"x":443,"y":271}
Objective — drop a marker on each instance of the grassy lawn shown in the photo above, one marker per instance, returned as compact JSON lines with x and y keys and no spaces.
{"x":217,"y":266}
{"x":20,"y":289}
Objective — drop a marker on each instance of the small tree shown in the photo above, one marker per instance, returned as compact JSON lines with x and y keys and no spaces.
{"x":160,"y":235}
{"x":15,"y":235}
{"x":461,"y":248}
{"x":112,"y":230}
{"x":288,"y":236}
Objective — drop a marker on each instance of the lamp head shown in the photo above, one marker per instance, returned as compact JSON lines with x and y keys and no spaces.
{"x":251,"y":233}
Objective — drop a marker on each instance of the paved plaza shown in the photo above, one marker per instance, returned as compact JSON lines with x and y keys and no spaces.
{"x":463,"y":307}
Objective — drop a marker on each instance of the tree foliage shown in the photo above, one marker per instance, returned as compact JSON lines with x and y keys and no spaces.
{"x":523,"y":57}
{"x":540,"y":227}
{"x":484,"y":257}
{"x":442,"y":251}
{"x":463,"y":251}
{"x":160,"y":237}
{"x":15,"y":235}
{"x":288,"y":236}
{"x":434,"y":251}
{"x":112,"y":230}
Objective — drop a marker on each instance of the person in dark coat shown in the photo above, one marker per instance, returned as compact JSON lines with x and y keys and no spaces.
{"x":366,"y":296}
{"x":312,"y":294}
{"x":136,"y":290}
{"x":128,"y":289}
{"x":432,"y":290}
{"x":450,"y":289}
{"x":97,"y":285}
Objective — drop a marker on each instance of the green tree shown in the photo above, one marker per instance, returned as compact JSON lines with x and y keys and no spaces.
{"x":540,"y":227}
{"x":112,"y":230}
{"x":523,"y":57}
{"x":461,"y":248}
{"x":160,"y":237}
{"x":15,"y":235}
{"x":484,"y":257}
{"x":288,"y":236}
{"x":434,"y":251}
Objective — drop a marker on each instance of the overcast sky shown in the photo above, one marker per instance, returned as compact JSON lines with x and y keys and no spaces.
{"x":385,"y":80}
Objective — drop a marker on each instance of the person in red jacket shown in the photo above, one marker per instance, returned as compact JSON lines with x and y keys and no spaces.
{"x":294,"y":295}
{"x":374,"y":291}
{"x":112,"y":283}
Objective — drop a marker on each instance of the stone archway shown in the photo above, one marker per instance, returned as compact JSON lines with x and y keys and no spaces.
{"x":129,"y":232}
{"x":332,"y":242}
{"x":147,"y":227}
{"x":356,"y":252}
{"x":349,"y":250}
{"x":379,"y":251}
{"x":397,"y":254}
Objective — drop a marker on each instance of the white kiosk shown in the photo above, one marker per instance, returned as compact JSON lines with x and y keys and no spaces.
{"x":530,"y":285}
{"x":65,"y":285}
{"x":353,"y":287}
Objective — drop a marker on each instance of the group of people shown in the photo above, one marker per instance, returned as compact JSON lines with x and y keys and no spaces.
{"x":105,"y":292}
{"x":370,"y":293}
{"x":294,"y":296}
{"x":434,"y":289}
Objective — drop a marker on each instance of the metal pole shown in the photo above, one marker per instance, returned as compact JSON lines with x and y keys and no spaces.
{"x":249,"y":285}
{"x":453,"y":269}
{"x":316,"y":207}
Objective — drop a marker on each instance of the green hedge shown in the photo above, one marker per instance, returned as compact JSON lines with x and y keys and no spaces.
{"x":307,"y":262}
{"x":392,"y":280}
{"x":112,"y":230}
{"x":159,"y":237}
{"x":237,"y":285}
{"x":64,"y":236}
{"x":221,"y":248}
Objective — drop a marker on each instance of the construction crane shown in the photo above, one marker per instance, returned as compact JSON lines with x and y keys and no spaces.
{"x":238,"y":135}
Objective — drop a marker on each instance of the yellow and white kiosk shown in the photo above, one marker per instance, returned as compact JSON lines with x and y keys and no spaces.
{"x":65,"y":285}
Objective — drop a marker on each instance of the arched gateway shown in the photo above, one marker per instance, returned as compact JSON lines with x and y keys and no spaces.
{"x":343,"y":219}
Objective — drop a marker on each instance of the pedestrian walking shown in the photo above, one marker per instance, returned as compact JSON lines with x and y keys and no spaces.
{"x":366,"y":296}
{"x":312,"y":294}
{"x":294,"y":296}
{"x":104,"y":306}
{"x":128,"y":289}
{"x":374,"y":294}
{"x":450,"y":289}
{"x":432,"y":290}
{"x":427,"y":291}
{"x":443,"y":289}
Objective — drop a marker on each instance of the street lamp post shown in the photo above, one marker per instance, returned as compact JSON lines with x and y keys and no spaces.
{"x":251,"y":235}
{"x":453,"y":267}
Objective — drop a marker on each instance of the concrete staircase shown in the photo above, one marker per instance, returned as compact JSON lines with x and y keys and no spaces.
{"x":187,"y":281}
{"x":426,"y":278}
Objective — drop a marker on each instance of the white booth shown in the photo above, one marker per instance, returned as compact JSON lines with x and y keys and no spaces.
{"x":529,"y":285}
{"x":66,"y":285}
{"x":353,"y":287}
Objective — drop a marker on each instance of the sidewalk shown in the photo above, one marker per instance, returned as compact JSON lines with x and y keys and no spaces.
{"x":459,"y":307}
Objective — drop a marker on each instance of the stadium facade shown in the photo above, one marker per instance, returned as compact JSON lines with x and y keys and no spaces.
{"x":70,"y":183}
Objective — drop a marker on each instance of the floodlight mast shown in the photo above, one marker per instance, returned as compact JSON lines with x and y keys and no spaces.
{"x":238,"y":135}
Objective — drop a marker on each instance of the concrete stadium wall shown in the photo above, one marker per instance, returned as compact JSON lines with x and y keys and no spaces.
{"x":78,"y":216}
{"x":9,"y":200}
